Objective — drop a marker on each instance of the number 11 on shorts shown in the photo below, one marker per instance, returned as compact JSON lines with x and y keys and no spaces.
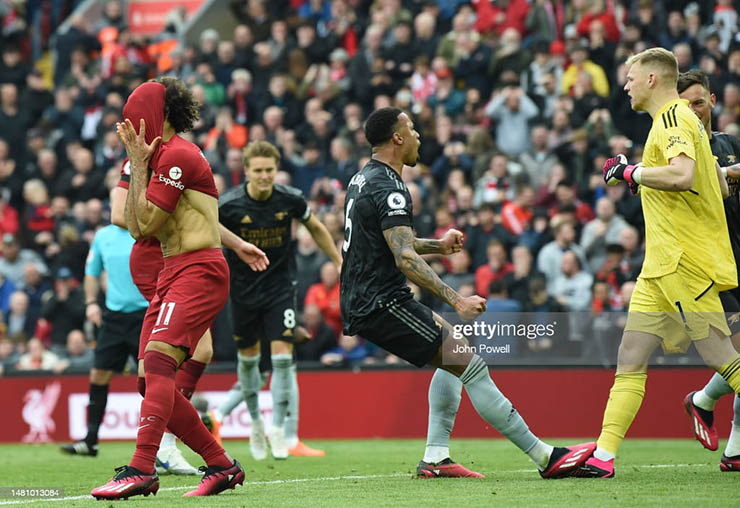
{"x":170,"y":307}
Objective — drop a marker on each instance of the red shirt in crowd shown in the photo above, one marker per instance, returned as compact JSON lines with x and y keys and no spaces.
{"x":327,"y":300}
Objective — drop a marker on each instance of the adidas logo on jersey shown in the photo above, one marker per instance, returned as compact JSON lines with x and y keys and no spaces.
{"x":168,"y":181}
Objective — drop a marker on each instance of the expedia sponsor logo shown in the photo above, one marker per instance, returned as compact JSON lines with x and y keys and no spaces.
{"x":168,"y":181}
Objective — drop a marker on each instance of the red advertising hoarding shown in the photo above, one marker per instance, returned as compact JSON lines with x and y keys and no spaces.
{"x":383,"y":404}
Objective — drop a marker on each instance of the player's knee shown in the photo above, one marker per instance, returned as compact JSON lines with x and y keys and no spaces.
{"x":203,"y":353}
{"x":280,"y":347}
{"x":140,"y":369}
{"x":100,"y":376}
{"x":250,"y":351}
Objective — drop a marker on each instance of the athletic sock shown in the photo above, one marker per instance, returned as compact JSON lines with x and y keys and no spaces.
{"x":444,"y":401}
{"x":604,"y":455}
{"x":156,"y":408}
{"x":291,"y":419}
{"x":714,"y":390}
{"x":733,"y":442}
{"x":280,"y":387}
{"x":168,"y":440}
{"x":494,"y":407}
{"x":233,"y":399}
{"x":249,"y":378}
{"x":188,"y":376}
{"x":187,"y":425}
{"x":624,"y":401}
{"x":95,"y":412}
{"x":731,"y":372}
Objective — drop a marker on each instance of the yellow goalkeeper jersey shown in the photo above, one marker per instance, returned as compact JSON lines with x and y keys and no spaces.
{"x":689,"y":224}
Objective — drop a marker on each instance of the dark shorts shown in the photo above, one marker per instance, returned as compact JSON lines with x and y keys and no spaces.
{"x":731,"y":305}
{"x":266,"y":324}
{"x":118,"y":339}
{"x":191,"y":290}
{"x":407,"y":330}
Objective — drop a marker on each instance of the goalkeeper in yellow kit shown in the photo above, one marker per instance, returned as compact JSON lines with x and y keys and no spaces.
{"x":688,"y":258}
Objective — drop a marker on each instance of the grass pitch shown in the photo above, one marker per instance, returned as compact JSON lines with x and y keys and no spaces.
{"x":380,"y":473}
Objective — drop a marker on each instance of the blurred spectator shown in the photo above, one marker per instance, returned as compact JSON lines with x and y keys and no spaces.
{"x":325,"y":295}
{"x":516,"y":215}
{"x":8,"y":215}
{"x":309,"y":260}
{"x":342,"y":166}
{"x":14,"y":122}
{"x":499,"y":300}
{"x":495,"y":186}
{"x":517,"y":280}
{"x":35,"y":286}
{"x":633,"y":250}
{"x":20,"y":321}
{"x":323,"y":338}
{"x":495,"y":269}
{"x":8,"y":355}
{"x":351,"y":351}
{"x":550,"y":257}
{"x":480,"y":235}
{"x":65,"y":308}
{"x":581,"y":63}
{"x":540,"y":301}
{"x":513,"y":110}
{"x":572,"y":287}
{"x":606,"y":228}
{"x":77,"y":356}
{"x":7,"y":288}
{"x":537,"y":161}
{"x":459,"y":272}
{"x":15,"y":259}
{"x":37,"y":357}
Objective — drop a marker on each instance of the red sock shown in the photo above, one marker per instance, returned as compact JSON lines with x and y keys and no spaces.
{"x":188,"y":376}
{"x":156,"y":408}
{"x":186,"y":425}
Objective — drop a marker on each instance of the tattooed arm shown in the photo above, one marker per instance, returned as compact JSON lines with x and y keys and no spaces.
{"x":401,"y":241}
{"x":450,"y":243}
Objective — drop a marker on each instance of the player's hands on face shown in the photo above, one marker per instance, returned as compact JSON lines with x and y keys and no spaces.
{"x":94,"y":314}
{"x":451,"y":242}
{"x":470,"y":307}
{"x":254,"y":257}
{"x":136,"y":145}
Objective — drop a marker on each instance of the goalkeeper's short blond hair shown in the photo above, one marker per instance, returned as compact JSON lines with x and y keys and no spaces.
{"x":660,"y":60}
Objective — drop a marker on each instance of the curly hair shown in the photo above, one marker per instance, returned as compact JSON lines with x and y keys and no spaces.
{"x":180,"y":107}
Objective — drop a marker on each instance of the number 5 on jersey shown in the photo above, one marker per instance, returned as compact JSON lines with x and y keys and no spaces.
{"x":347,"y":226}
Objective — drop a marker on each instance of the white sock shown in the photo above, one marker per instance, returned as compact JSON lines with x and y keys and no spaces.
{"x":540,"y":454}
{"x":604,"y":455}
{"x":702,"y":400}
{"x":168,"y":441}
{"x":436,"y":454}
{"x":733,"y":443}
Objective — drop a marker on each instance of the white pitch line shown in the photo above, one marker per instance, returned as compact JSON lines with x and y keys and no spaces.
{"x":191,"y":487}
{"x":323,"y":479}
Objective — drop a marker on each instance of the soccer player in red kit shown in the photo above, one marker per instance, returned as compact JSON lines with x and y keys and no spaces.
{"x":146,"y":262}
{"x":177,"y":205}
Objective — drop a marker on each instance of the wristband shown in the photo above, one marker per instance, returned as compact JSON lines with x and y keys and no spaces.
{"x":723,"y":170}
{"x":637,"y":175}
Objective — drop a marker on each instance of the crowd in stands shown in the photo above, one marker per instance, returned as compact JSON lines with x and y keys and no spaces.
{"x":518,"y":103}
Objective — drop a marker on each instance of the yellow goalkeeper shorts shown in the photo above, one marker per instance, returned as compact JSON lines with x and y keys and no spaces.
{"x":678,"y":307}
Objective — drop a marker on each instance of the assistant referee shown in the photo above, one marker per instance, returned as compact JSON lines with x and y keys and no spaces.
{"x":120,"y":323}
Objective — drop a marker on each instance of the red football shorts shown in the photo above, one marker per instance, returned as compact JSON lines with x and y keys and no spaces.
{"x":191,"y":291}
{"x":145,"y":263}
